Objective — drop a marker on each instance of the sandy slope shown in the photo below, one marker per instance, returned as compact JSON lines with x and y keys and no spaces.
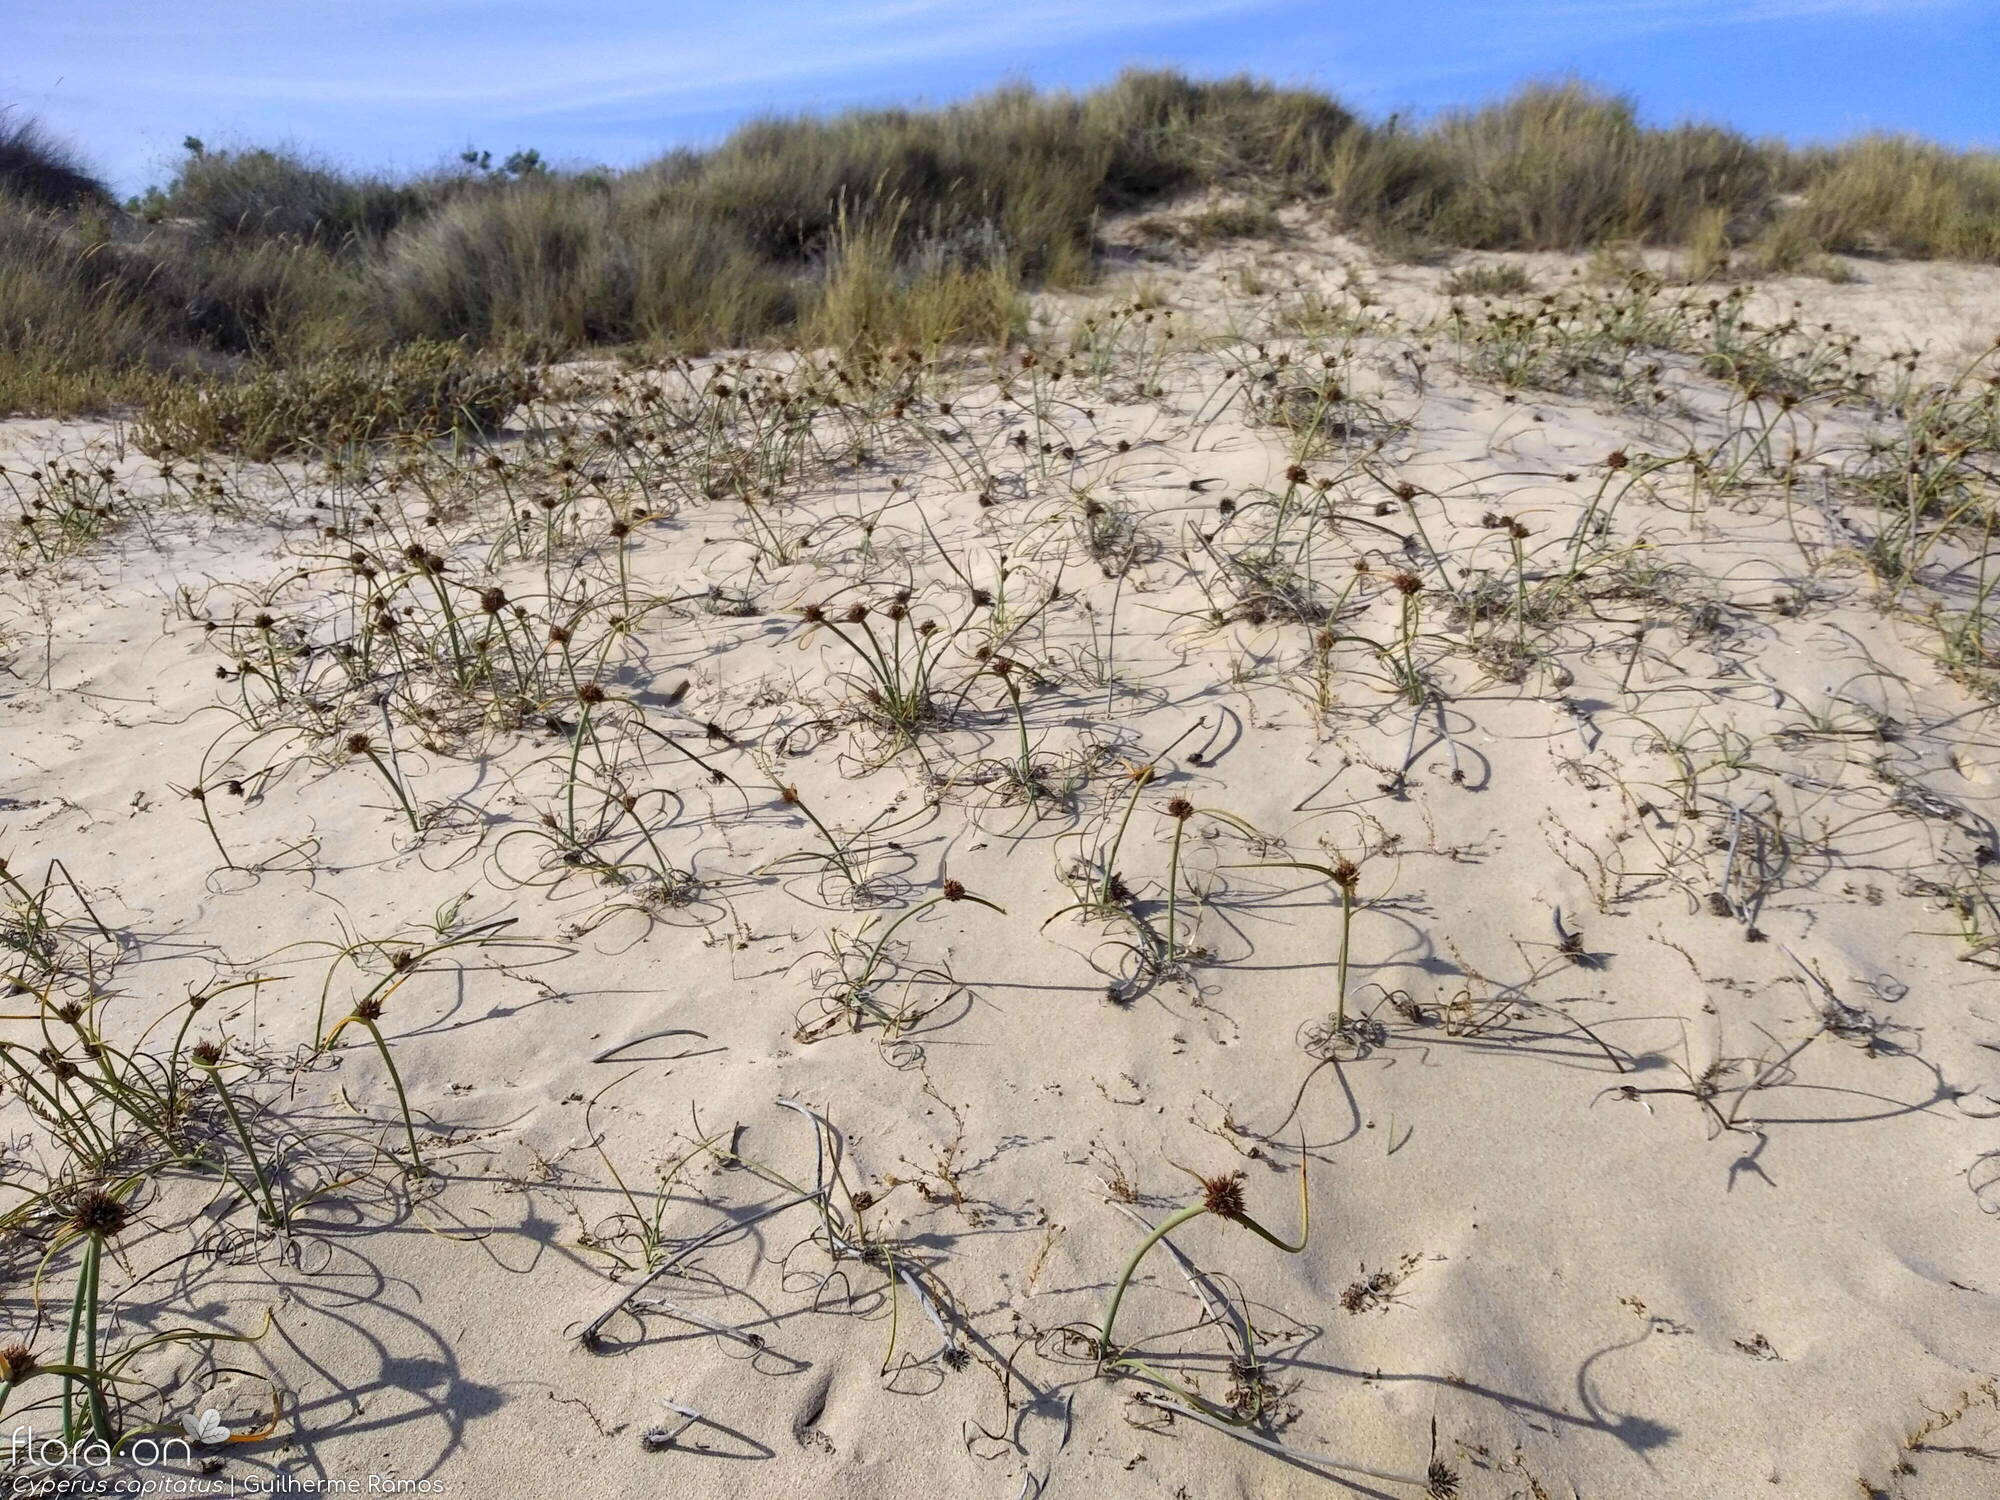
{"x":1525,"y":1225}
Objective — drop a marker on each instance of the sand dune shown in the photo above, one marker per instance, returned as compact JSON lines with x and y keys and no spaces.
{"x":1610,"y":646}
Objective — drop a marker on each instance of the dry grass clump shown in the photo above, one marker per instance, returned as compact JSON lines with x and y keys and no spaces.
{"x":36,"y":169}
{"x":883,"y":227}
{"x":1894,"y":195}
{"x":421,"y":389}
{"x":76,"y":323}
{"x":263,"y":195}
{"x":1564,"y":167}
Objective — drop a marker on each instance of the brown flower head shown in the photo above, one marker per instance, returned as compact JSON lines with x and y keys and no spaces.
{"x":96,"y":1212}
{"x":1180,"y":809}
{"x":954,"y":890}
{"x":1223,"y":1196}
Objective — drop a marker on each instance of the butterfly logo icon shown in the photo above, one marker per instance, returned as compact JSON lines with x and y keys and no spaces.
{"x":206,"y":1429}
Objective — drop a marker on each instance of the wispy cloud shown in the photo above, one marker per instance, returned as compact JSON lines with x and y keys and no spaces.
{"x":527,"y":58}
{"x":379,"y":80}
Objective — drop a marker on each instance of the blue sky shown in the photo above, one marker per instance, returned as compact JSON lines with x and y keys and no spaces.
{"x":404,"y":84}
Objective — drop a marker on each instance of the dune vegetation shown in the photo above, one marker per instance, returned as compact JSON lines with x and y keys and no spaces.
{"x":880,"y":226}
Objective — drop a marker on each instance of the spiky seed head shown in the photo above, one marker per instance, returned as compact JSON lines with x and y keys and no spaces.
{"x":898,"y":612}
{"x":590,"y":692}
{"x":206,"y":1054}
{"x":954,"y":890}
{"x":1616,"y":459}
{"x":359,"y":744}
{"x":1408,"y":584}
{"x":369,"y":1008}
{"x":97,"y":1212}
{"x":1180,"y":809}
{"x":558,"y":635}
{"x":855,"y":614}
{"x":1347,"y":875}
{"x":789,"y":795}
{"x":1223,"y":1196}
{"x":493,"y":600}
{"x":17,"y":1363}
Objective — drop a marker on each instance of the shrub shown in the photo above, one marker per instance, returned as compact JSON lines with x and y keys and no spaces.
{"x":1563,"y":167}
{"x":422,"y":390}
{"x":1491,"y":280}
{"x":36,"y":170}
{"x":537,"y":267}
{"x":263,"y":195}
{"x":79,"y":318}
{"x":1896,"y":195}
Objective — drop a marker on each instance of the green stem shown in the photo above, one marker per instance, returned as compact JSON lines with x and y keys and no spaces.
{"x":396,"y":786}
{"x":402,"y":1099}
{"x":271,"y":1214}
{"x":1172,"y":1222}
{"x":1139,"y":784}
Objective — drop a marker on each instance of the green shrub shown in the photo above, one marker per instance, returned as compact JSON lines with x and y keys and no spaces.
{"x":263,"y":195}
{"x":1490,"y":280}
{"x":422,"y":390}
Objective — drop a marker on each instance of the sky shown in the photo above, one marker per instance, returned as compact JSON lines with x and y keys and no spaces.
{"x":402,"y":85}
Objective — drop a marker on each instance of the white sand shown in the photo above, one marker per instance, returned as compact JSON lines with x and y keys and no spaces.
{"x":1590,"y":1294}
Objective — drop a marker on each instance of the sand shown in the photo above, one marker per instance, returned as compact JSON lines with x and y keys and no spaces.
{"x":1623,"y":1181}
